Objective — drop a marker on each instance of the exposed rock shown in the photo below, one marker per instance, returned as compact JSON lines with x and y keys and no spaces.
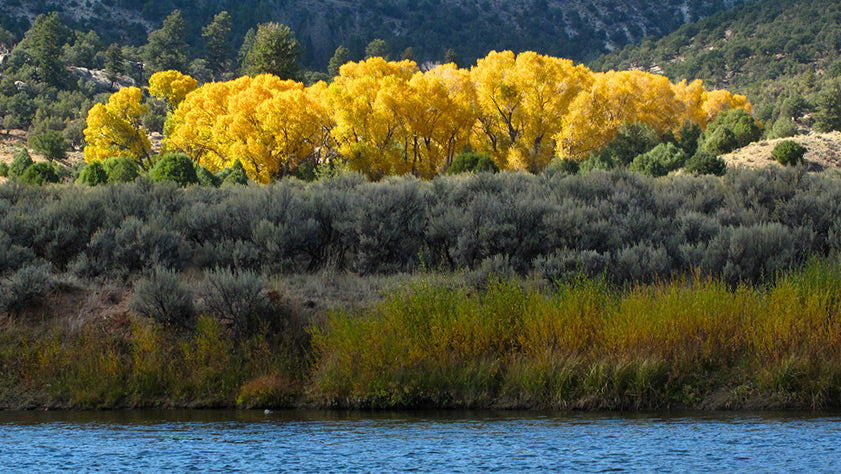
{"x":100,"y":79}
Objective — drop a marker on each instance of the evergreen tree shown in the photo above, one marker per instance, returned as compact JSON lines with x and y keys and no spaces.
{"x":275,"y":51}
{"x":166,"y":46}
{"x":45,"y":40}
{"x":451,"y":57}
{"x":340,"y":58}
{"x":217,"y":46}
{"x":114,"y":62}
{"x":378,"y":48}
{"x":828,"y":117}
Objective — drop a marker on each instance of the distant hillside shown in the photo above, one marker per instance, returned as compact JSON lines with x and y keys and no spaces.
{"x":577,"y":29}
{"x":783,"y":54}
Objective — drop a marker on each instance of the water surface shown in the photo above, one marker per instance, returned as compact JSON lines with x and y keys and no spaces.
{"x":322,"y":441}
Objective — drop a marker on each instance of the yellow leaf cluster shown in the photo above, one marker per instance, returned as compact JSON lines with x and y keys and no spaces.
{"x":114,"y":129}
{"x":385,"y":118}
{"x":171,"y":86}
{"x":267,"y":123}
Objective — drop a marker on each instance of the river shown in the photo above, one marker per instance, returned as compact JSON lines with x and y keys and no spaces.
{"x":324,"y":441}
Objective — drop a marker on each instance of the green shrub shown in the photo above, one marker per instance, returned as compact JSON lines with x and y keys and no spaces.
{"x":563,"y":166}
{"x":27,"y":285}
{"x":4,"y":169}
{"x":472,"y":162}
{"x":234,"y":175}
{"x":50,"y":143}
{"x":20,"y":163}
{"x":93,"y":175}
{"x":744,"y":127}
{"x":660,"y":160}
{"x":121,"y":169}
{"x":597,"y":161}
{"x":175,"y":167}
{"x":206,"y":178}
{"x":783,"y":128}
{"x":705,"y":162}
{"x":719,"y":141}
{"x":788,"y":153}
{"x":41,"y":173}
{"x":161,"y":296}
{"x":631,"y":141}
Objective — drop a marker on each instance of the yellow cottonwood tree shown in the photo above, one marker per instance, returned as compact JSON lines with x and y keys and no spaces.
{"x":267,"y":123}
{"x":439,"y":114}
{"x":522,"y":101}
{"x":368,"y":131}
{"x":171,"y":86}
{"x":115,"y":129}
{"x":615,"y":99}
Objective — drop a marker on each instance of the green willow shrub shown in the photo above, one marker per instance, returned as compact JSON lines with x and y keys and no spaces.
{"x":93,"y":175}
{"x":175,"y":167}
{"x":41,"y":173}
{"x":788,"y":153}
{"x":121,"y":169}
{"x":705,"y":162}
{"x":20,"y":163}
{"x":472,"y":162}
{"x":160,"y":295}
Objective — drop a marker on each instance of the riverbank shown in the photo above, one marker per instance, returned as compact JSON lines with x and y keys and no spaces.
{"x":431,"y":342}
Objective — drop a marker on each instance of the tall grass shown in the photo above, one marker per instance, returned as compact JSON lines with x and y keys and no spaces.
{"x":142,"y":363}
{"x":694,"y":342}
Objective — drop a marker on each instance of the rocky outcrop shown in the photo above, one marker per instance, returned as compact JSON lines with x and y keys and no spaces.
{"x":100,"y":79}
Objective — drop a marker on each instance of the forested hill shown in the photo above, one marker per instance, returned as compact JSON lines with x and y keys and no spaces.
{"x":785,"y":55}
{"x":576,"y":29}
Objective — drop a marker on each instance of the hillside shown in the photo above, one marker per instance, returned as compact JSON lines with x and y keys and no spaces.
{"x":568,"y":28}
{"x":781,"y":54}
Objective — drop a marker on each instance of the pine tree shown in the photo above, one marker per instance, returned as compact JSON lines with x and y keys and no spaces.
{"x":340,"y":58}
{"x":275,"y":51}
{"x":166,"y":46}
{"x":217,"y":46}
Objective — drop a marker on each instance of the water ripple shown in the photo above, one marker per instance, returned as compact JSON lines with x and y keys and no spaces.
{"x":236,"y":441}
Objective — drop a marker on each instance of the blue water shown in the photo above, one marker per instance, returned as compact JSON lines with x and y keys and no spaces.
{"x":317,"y":441}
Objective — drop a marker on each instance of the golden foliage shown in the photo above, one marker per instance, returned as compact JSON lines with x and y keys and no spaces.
{"x":171,"y":86}
{"x":114,"y":129}
{"x":384,"y":118}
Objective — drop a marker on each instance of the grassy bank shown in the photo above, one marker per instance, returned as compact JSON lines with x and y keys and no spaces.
{"x":689,"y":343}
{"x":584,"y":344}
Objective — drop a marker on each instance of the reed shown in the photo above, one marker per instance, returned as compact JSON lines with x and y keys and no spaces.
{"x":693,"y":342}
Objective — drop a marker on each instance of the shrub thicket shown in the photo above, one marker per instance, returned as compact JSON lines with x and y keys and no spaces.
{"x":41,"y":173}
{"x":472,"y":162}
{"x":175,"y":167}
{"x":788,"y":153}
{"x":554,"y":224}
{"x":160,"y":295}
{"x":21,"y":161}
{"x":705,"y":162}
{"x":121,"y":169}
{"x":93,"y":174}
